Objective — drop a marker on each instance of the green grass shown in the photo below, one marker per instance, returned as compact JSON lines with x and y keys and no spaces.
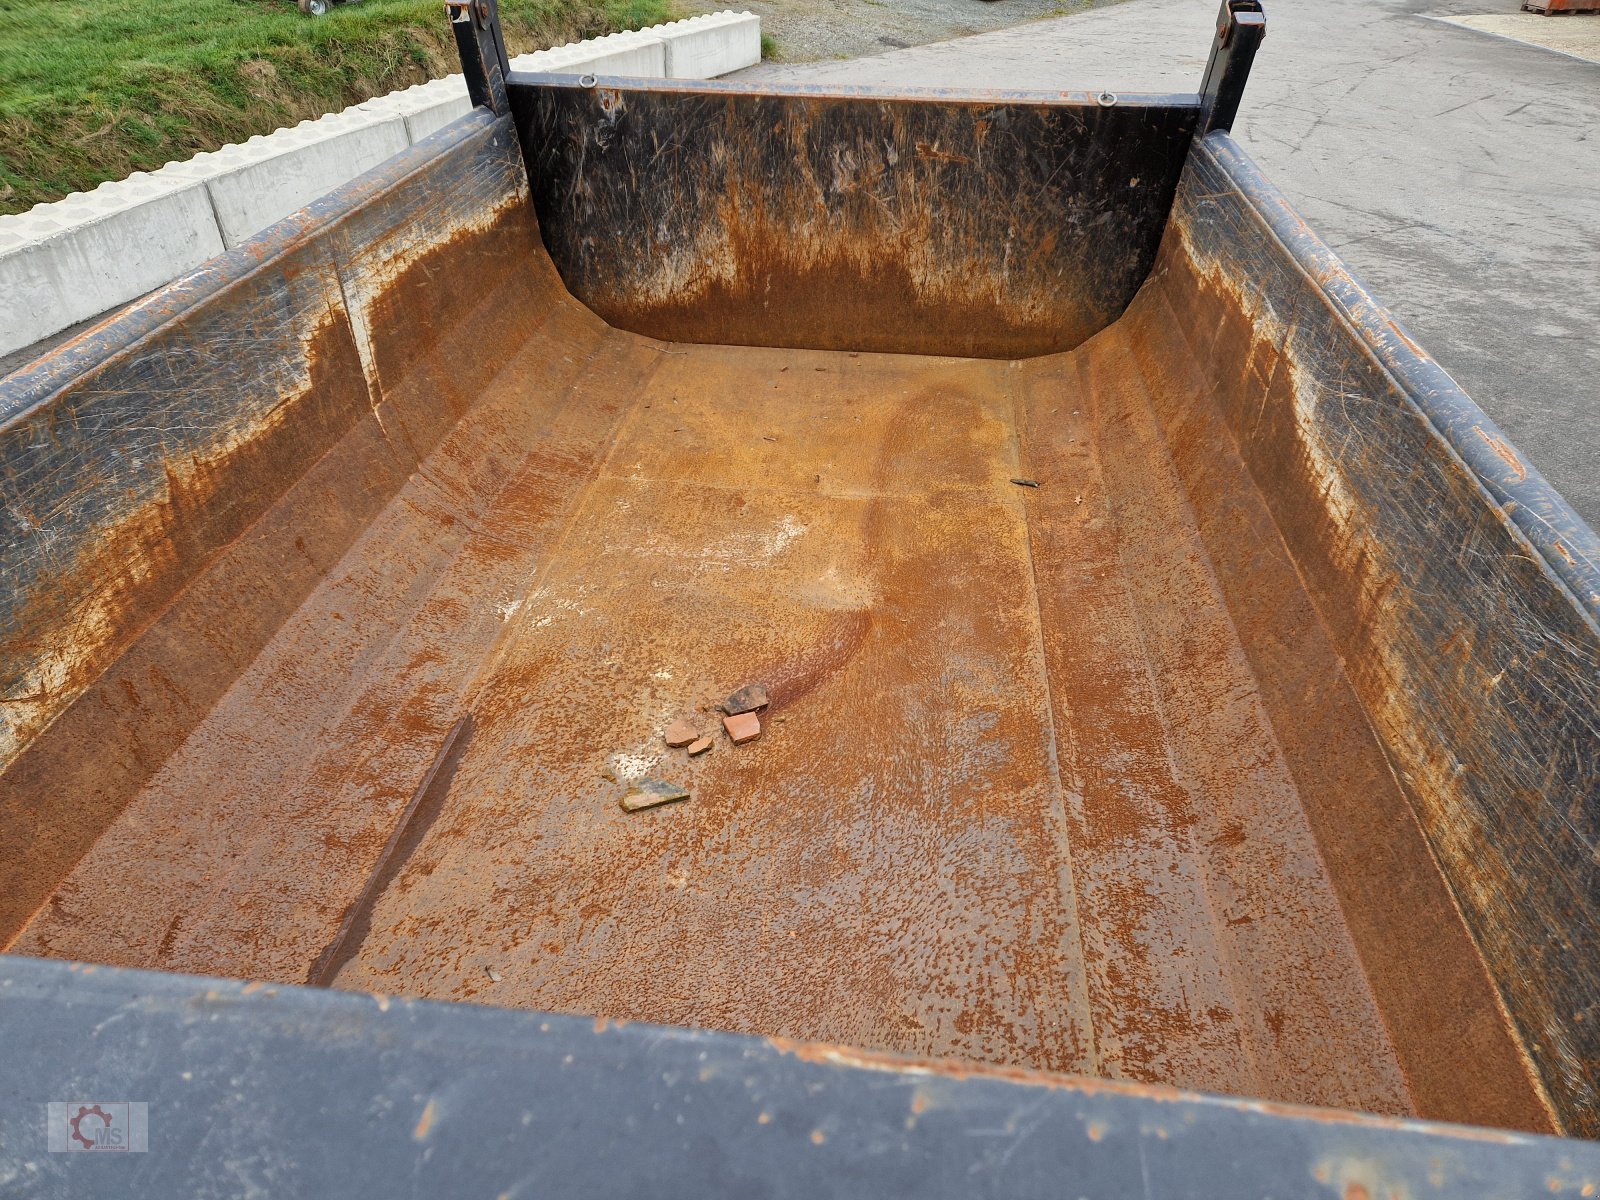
{"x":91,"y":90}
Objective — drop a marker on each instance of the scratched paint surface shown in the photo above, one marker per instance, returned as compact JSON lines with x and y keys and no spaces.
{"x":1046,"y":781}
{"x":933,"y":848}
{"x":1469,"y":626}
{"x":593,"y":1105}
{"x":177,"y":481}
{"x":988,"y":225}
{"x":1016,"y":801}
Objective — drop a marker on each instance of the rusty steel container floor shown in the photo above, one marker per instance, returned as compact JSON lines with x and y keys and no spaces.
{"x":1024,"y":795}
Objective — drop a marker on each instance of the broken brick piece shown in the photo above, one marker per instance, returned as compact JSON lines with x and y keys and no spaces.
{"x":742,"y":727}
{"x":699,"y":746}
{"x":647,"y":793}
{"x":747,"y":699}
{"x":680,"y":733}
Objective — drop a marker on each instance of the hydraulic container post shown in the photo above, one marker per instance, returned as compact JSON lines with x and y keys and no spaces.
{"x":1240,"y":27}
{"x":483,"y":51}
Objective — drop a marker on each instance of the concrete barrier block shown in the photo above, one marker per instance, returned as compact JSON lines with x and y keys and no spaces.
{"x":539,"y":61}
{"x":395,"y":104}
{"x":711,"y":45}
{"x":267,"y":178}
{"x":65,"y":262}
{"x":425,"y":108}
{"x":201,"y":167}
{"x":442,"y":101}
{"x":637,"y":53}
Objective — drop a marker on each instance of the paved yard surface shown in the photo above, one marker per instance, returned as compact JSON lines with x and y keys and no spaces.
{"x":1579,"y":38}
{"x":804,"y":30}
{"x":1457,"y":171}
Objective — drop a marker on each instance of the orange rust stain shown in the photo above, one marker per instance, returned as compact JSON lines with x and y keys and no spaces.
{"x":1416,"y":950}
{"x":928,"y":150}
{"x":1096,"y":1131}
{"x":190,"y":564}
{"x":851,"y":1056}
{"x":1400,"y":333}
{"x":884,"y":866}
{"x":1503,"y":451}
{"x":425,"y":1121}
{"x":905,"y":573}
{"x":838,"y":293}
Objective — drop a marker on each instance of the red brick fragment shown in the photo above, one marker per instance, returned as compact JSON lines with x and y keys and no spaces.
{"x":680,"y":733}
{"x":742,"y":728}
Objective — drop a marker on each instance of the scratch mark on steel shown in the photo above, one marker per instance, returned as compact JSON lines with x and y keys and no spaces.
{"x":428,"y":796}
{"x":1502,"y":451}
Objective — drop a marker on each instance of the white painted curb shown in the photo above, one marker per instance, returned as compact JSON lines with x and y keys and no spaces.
{"x":76,"y":258}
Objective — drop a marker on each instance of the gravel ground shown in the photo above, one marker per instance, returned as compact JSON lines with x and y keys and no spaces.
{"x":809,"y":30}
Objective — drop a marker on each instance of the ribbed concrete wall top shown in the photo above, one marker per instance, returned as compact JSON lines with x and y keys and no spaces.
{"x":76,"y":258}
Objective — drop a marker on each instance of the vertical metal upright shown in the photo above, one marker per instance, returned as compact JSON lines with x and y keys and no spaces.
{"x":482,"y":46}
{"x":1240,"y":27}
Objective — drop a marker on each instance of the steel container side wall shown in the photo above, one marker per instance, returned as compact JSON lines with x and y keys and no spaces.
{"x":1460,"y":588}
{"x":143,"y":455}
{"x":986,"y":225}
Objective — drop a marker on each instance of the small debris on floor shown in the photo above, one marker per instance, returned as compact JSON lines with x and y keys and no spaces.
{"x":494,"y":976}
{"x":1026,"y":482}
{"x":699,"y":746}
{"x":680,"y":733}
{"x":647,"y":793}
{"x":742,"y":727}
{"x":747,"y":699}
{"x":1077,"y":499}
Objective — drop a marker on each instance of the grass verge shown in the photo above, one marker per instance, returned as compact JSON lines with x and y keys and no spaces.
{"x":92,"y":90}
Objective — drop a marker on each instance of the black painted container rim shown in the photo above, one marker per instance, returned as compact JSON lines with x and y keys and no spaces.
{"x":469,"y":1092}
{"x":1567,"y":546}
{"x":1066,"y":98}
